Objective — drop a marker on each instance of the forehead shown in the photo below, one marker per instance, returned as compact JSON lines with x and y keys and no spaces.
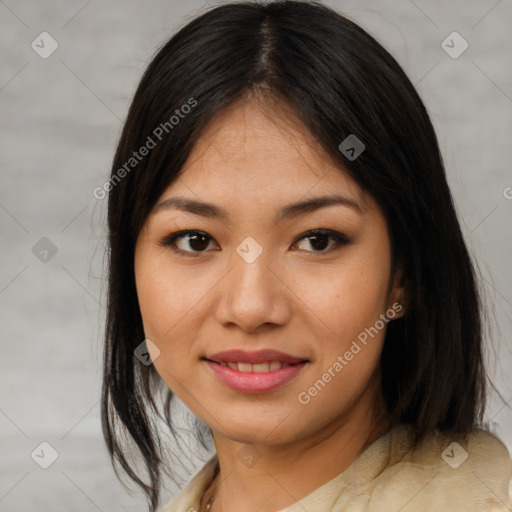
{"x":252,"y":150}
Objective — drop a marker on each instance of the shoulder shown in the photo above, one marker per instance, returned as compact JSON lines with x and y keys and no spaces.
{"x":485,"y":450}
{"x":480,"y":452}
{"x":478,"y":446}
{"x":470,"y":473}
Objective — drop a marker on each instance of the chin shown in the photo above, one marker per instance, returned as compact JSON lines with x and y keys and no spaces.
{"x":264,"y":431}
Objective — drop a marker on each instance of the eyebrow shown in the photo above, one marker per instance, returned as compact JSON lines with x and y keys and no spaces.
{"x":210,"y":210}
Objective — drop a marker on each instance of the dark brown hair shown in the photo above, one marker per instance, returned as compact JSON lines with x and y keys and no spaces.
{"x":339,"y":81}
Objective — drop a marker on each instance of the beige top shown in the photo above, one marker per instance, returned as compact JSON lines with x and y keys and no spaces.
{"x":439,"y":476}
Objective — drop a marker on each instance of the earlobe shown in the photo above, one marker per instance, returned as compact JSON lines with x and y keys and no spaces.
{"x":396,"y":307}
{"x":399,"y":306}
{"x":398,"y":296}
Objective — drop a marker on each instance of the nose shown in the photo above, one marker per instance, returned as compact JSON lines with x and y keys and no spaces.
{"x":253,"y":295}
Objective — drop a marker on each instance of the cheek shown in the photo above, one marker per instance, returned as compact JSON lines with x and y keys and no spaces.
{"x":169,"y":300}
{"x":348,"y":360}
{"x":159,"y":298}
{"x":161,"y":312}
{"x":165,"y":294}
{"x":348,"y":301}
{"x":349,"y":297}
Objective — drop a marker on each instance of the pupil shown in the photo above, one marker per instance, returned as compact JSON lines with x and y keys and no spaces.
{"x":314,"y":241}
{"x":197,"y":244}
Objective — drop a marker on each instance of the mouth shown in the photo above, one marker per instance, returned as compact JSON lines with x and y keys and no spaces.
{"x":262,"y":356}
{"x":262,"y":376}
{"x":263,"y":367}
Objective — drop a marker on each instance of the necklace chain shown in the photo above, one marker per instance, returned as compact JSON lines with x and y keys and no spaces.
{"x":211,"y":486}
{"x":209,"y":505}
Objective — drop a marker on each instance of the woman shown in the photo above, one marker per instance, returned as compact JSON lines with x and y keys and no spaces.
{"x":345,"y":375}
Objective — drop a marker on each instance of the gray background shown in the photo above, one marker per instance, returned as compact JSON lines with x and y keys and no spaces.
{"x":60,"y":120}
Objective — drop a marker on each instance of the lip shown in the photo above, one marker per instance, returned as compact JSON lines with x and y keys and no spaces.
{"x":255,"y":382}
{"x":258,"y":356}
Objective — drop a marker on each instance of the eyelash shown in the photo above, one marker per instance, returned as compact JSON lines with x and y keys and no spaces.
{"x":170,"y":240}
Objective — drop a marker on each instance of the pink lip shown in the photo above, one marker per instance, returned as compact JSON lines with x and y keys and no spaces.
{"x":255,"y":382}
{"x":258,"y":356}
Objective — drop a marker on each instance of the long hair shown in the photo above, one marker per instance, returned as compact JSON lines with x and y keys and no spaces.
{"x":339,"y":81}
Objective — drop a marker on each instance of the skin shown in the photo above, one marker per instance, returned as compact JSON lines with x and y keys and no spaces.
{"x":306,"y":300}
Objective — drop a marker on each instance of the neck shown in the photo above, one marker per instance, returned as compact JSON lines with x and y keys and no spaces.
{"x":289,"y":472}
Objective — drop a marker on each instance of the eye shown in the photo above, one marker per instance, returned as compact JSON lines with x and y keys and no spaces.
{"x":184,"y":240}
{"x":196,"y":242}
{"x":319,"y":239}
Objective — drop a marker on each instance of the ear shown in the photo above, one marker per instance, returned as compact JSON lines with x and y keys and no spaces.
{"x":397,"y":296}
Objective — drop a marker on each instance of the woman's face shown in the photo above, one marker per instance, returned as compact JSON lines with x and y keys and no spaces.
{"x":252,"y":276}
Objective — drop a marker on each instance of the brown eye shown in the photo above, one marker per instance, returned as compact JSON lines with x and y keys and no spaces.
{"x":319,"y":239}
{"x":196,"y":242}
{"x":188,"y":241}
